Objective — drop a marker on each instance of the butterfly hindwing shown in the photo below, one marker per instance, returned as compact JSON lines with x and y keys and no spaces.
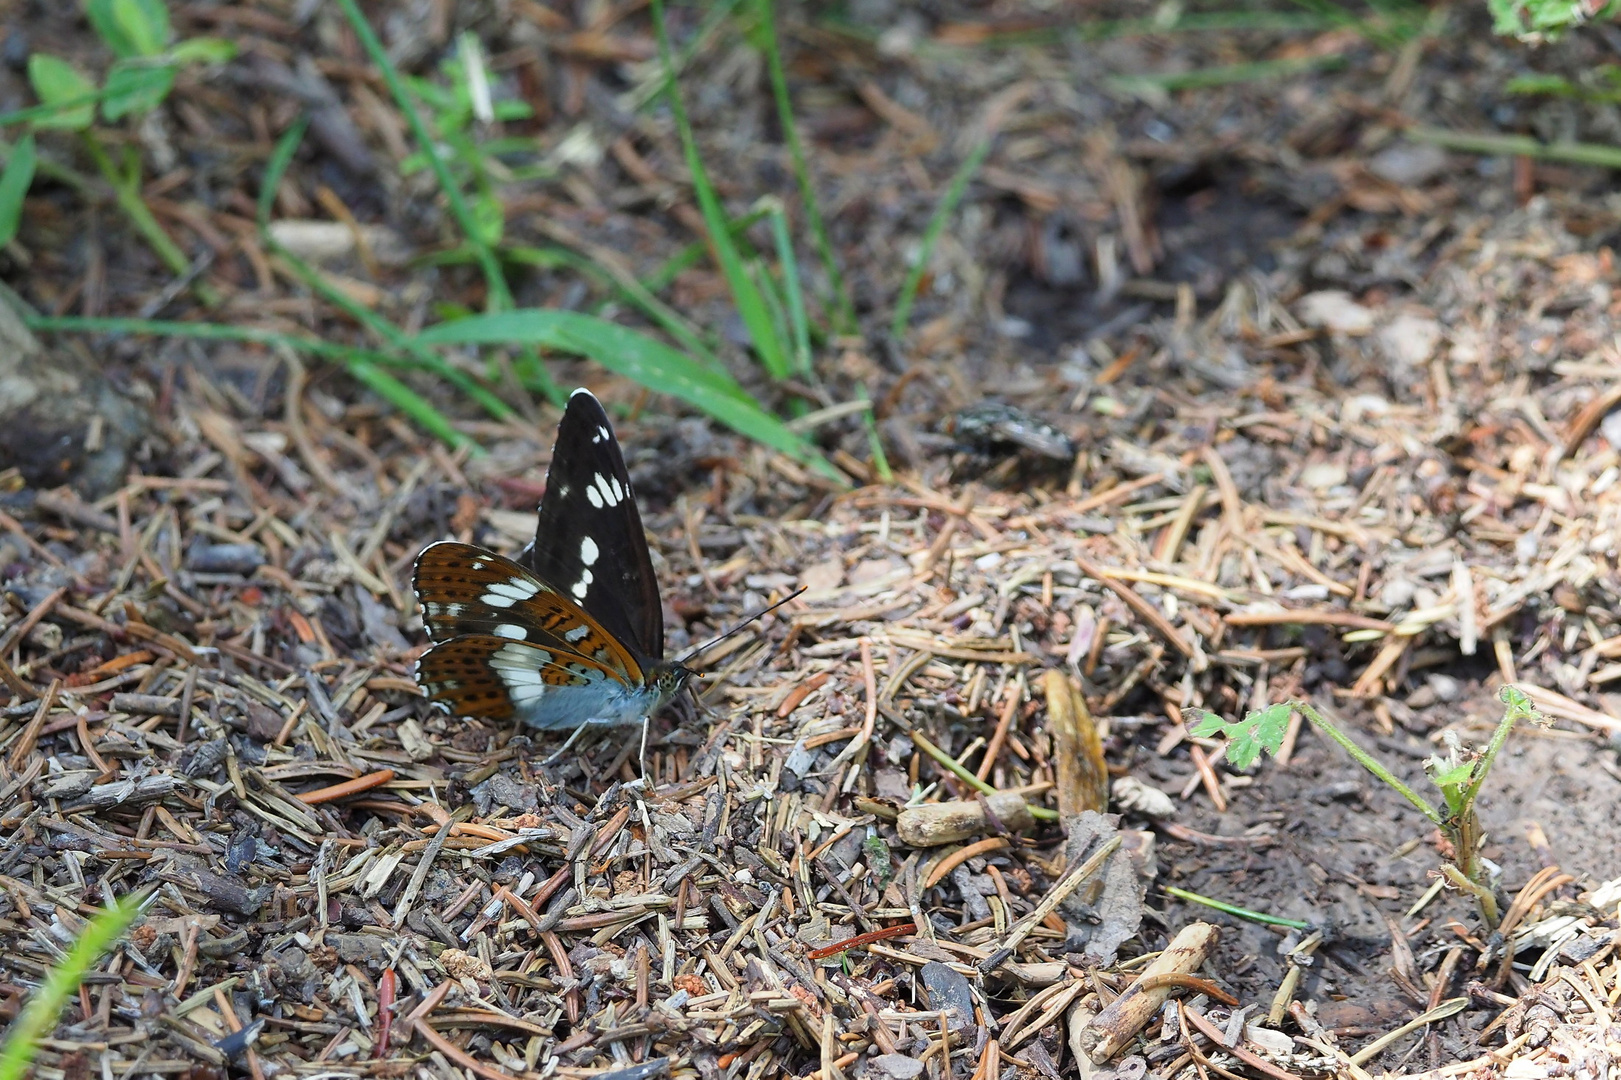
{"x":466,"y":590}
{"x":498,"y":678}
{"x":589,"y":542}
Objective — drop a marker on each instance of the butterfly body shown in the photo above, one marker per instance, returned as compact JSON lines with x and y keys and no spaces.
{"x":572,"y":633}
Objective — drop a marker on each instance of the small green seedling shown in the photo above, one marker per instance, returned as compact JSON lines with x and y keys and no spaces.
{"x":1544,"y":20}
{"x":1459,"y":775}
{"x":462,"y":116}
{"x":146,"y":58}
{"x":45,"y":1004}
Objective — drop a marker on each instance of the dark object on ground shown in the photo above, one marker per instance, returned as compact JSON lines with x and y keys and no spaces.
{"x":994,"y":427}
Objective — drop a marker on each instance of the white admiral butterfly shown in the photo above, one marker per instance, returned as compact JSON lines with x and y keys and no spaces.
{"x":572,"y":633}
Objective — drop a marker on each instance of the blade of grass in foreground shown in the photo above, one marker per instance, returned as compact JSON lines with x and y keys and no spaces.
{"x":751,"y":306}
{"x":39,"y":1017}
{"x":931,"y":236}
{"x":643,"y":359}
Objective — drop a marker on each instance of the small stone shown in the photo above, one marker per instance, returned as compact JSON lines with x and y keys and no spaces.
{"x":1408,"y":164}
{"x":823,"y":576}
{"x":1323,"y":476}
{"x":1410,"y":339}
{"x":898,"y":1066}
{"x":1336,"y":311}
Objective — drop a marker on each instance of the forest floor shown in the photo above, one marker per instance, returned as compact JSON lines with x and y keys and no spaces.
{"x":1337,"y":409}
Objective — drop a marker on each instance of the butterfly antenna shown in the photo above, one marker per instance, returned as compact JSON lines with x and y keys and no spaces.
{"x":712,"y":642}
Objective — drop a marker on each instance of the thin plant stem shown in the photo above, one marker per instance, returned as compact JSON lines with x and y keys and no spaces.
{"x":45,"y":1004}
{"x":962,"y":773}
{"x":1233,"y":909}
{"x":127,"y":191}
{"x":844,"y":314}
{"x":880,"y":460}
{"x":1373,"y":765}
{"x":931,"y":236}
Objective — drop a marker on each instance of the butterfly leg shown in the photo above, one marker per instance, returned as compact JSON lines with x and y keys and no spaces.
{"x":568,"y":742}
{"x":642,"y":758}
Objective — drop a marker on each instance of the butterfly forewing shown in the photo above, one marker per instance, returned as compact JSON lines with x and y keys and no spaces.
{"x":589,"y":544}
{"x":466,"y":590}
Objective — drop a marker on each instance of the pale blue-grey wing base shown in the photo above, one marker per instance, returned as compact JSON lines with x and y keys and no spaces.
{"x":497,"y":678}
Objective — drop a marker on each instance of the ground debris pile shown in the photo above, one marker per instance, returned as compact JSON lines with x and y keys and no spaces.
{"x":1285,"y":405}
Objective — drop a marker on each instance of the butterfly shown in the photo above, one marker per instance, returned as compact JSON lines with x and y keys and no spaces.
{"x":571,"y":633}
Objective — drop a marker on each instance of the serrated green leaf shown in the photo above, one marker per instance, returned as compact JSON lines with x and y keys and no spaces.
{"x":203,"y":50}
{"x":55,"y":80}
{"x":136,"y":86}
{"x":1204,"y":724}
{"x":14,"y":184}
{"x":1449,"y":777}
{"x":1246,"y":740}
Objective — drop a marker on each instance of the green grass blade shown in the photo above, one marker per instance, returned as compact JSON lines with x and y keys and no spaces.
{"x":638,"y":357}
{"x":880,"y":460}
{"x":626,"y":288}
{"x":694,"y":253}
{"x":775,"y":305}
{"x":409,"y":402}
{"x":281,"y":156}
{"x":844,"y":317}
{"x":793,"y":293}
{"x":14,"y":184}
{"x":751,"y":305}
{"x":637,"y":354}
{"x":45,"y":1005}
{"x":715,"y":15}
{"x":931,"y":236}
{"x":1490,"y":143}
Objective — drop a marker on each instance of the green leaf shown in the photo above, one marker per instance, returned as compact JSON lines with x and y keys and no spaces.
{"x":145,"y":22}
{"x":130,"y":28}
{"x":14,"y":183}
{"x":203,"y":50}
{"x":1262,"y":730}
{"x":55,"y":80}
{"x":136,"y":86}
{"x":1455,"y":776}
{"x":636,"y":356}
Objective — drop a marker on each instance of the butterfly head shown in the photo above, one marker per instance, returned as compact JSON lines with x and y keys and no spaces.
{"x":667,"y":678}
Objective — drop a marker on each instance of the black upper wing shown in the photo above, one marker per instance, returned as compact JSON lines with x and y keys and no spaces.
{"x":589,"y":544}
